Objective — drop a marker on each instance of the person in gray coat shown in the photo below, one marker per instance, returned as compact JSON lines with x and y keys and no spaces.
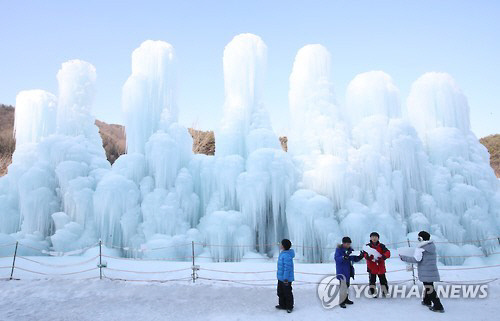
{"x":428,"y":272}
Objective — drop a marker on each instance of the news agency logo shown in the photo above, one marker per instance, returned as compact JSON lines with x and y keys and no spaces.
{"x":333,"y":290}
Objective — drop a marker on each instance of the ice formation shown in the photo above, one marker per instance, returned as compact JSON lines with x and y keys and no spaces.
{"x":47,"y":195}
{"x":35,"y":116}
{"x":369,"y":165}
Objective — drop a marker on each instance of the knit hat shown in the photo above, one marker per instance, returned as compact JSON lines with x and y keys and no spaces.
{"x":346,"y":239}
{"x":374,"y":234}
{"x":424,"y":235}
{"x":286,"y":244}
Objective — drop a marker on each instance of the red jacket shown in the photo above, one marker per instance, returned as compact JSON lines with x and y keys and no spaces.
{"x":377,"y":267}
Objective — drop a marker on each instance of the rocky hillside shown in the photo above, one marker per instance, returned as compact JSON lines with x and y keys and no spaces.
{"x":113,"y":140}
{"x":492,"y":142}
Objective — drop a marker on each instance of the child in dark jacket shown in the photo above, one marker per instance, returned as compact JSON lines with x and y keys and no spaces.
{"x":285,"y":276}
{"x":376,"y":266}
{"x":344,"y":268}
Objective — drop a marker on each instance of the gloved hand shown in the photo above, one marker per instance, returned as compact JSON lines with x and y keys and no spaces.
{"x":370,"y":257}
{"x":346,"y":257}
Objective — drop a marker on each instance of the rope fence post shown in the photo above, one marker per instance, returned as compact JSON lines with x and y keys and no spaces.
{"x":14,"y":261}
{"x":194,"y":267}
{"x":412,"y":267}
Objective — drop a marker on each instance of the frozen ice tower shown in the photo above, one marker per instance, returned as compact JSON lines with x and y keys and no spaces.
{"x":149,"y":93}
{"x":47,"y":194}
{"x":366,"y":165}
{"x":244,"y":70}
{"x":464,"y":201}
{"x":35,"y":116}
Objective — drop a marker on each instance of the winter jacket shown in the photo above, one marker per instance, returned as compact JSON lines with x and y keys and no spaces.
{"x":378,"y":266}
{"x":427,"y":265}
{"x":344,"y":267}
{"x":285,"y":265}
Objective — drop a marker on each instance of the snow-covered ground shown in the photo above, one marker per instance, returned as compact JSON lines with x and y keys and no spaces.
{"x":242,"y":296}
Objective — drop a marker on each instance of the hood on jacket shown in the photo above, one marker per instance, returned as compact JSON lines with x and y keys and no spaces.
{"x":428,"y":246}
{"x":290,"y":252}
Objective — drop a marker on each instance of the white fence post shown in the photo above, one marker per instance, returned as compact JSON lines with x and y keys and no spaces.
{"x":412,"y":267}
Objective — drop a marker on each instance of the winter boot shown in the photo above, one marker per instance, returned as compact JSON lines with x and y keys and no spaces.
{"x":279,"y":307}
{"x":437,"y":309}
{"x":427,"y":304}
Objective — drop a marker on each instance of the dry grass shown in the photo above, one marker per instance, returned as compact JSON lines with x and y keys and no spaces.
{"x":492,"y":143}
{"x":203,"y":141}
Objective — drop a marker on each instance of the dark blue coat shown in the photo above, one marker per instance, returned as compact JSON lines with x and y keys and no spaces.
{"x":344,"y":267}
{"x":285,"y":265}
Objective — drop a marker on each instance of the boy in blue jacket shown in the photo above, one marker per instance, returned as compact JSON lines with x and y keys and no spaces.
{"x":344,"y":267}
{"x":285,"y":276}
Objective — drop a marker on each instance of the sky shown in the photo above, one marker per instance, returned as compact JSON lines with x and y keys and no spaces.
{"x":403,"y":38}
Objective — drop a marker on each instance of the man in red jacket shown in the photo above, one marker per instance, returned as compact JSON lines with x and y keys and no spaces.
{"x":376,"y":264}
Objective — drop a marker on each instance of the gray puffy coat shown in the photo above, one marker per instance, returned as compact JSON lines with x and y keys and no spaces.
{"x":427,"y":266}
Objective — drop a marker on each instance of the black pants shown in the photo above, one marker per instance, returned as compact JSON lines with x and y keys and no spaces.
{"x":285,"y":295}
{"x":344,"y":296}
{"x":430,"y":295}
{"x":383,"y":283}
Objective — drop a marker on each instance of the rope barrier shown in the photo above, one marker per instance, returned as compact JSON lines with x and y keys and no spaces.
{"x":471,"y":268}
{"x":162,"y":259}
{"x":236,"y":281}
{"x":486,"y":281}
{"x":57,"y":265}
{"x":148,"y":272}
{"x":58,"y":274}
{"x":240,"y":272}
{"x":153,"y":280}
{"x":54,"y":253}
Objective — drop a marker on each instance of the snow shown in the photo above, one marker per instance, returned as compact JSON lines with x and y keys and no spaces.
{"x":58,"y":297}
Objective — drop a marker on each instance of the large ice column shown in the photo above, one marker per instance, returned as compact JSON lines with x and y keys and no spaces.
{"x":436,"y":101}
{"x":312,"y":227}
{"x":315,"y":123}
{"x":76,"y":80}
{"x":464,"y":202}
{"x":244,"y":67}
{"x":168,"y":152}
{"x":222,"y":228}
{"x":35,"y":116}
{"x":372,"y":93}
{"x":318,"y":136}
{"x":387,"y":165}
{"x":117,"y":210}
{"x":263,"y":191}
{"x":57,"y":162}
{"x":148,"y":97}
